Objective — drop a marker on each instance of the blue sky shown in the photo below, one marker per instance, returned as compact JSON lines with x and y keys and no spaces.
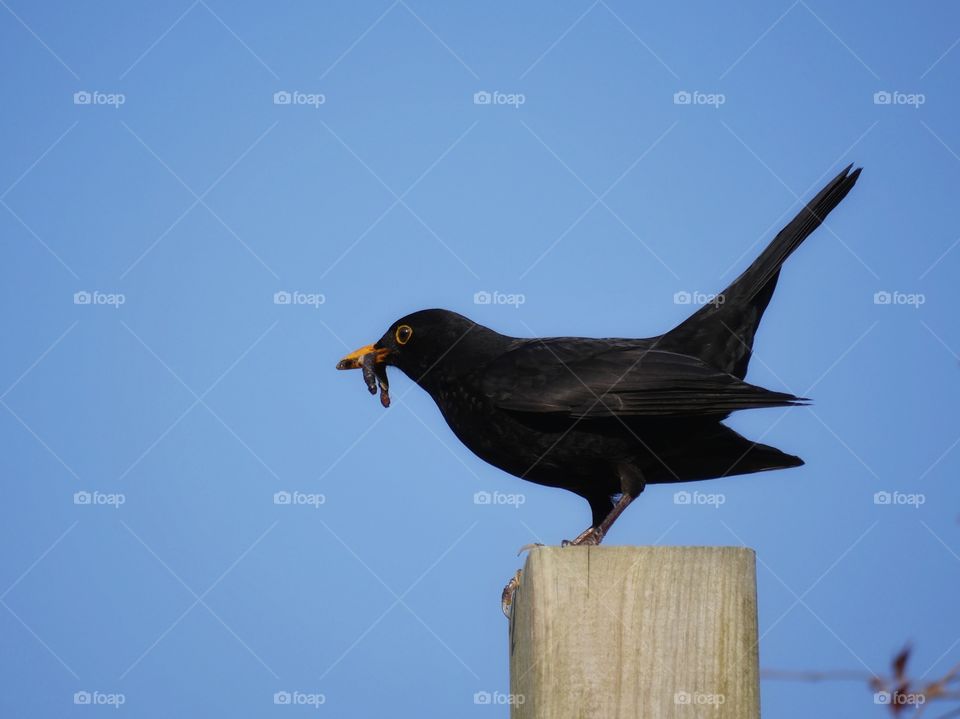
{"x":177,"y":194}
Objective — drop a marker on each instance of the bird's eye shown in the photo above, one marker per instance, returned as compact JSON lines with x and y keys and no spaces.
{"x":403,"y":334}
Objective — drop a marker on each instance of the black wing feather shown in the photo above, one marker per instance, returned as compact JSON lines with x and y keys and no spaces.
{"x":593,"y":379}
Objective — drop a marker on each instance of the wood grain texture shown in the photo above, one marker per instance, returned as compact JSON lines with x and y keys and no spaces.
{"x":635,"y":632}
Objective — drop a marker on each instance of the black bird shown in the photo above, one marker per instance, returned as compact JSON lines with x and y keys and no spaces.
{"x":605,"y":417}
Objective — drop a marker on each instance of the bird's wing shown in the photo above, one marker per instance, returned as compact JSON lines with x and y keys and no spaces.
{"x":604,"y":378}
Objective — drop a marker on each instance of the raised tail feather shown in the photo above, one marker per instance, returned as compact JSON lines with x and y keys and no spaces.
{"x":722,"y":333}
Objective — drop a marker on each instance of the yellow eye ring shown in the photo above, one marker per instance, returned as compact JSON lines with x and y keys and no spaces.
{"x":403,"y":334}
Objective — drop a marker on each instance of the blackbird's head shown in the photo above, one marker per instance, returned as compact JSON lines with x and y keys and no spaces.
{"x":418,"y":343}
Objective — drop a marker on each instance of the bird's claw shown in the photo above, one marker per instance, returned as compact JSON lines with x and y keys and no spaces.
{"x":506,"y":599}
{"x":528,"y":547}
{"x":589,"y":538}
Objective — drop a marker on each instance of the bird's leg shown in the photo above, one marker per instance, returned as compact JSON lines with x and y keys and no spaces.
{"x":592,"y":536}
{"x":632,"y":485}
{"x":617,"y":510}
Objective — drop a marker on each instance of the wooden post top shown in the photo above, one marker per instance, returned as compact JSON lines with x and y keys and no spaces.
{"x":648,"y":632}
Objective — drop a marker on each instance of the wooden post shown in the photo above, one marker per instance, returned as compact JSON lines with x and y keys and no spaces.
{"x":647,"y":632}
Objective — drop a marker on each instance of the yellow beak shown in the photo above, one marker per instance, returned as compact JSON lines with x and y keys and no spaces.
{"x":355,"y":359}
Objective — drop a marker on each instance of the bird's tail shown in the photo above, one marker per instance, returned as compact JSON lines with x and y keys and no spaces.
{"x":714,"y":452}
{"x":722,"y":332}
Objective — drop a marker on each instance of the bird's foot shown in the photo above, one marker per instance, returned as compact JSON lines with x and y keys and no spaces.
{"x":506,"y":599}
{"x":528,"y":547}
{"x":588,"y":538}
